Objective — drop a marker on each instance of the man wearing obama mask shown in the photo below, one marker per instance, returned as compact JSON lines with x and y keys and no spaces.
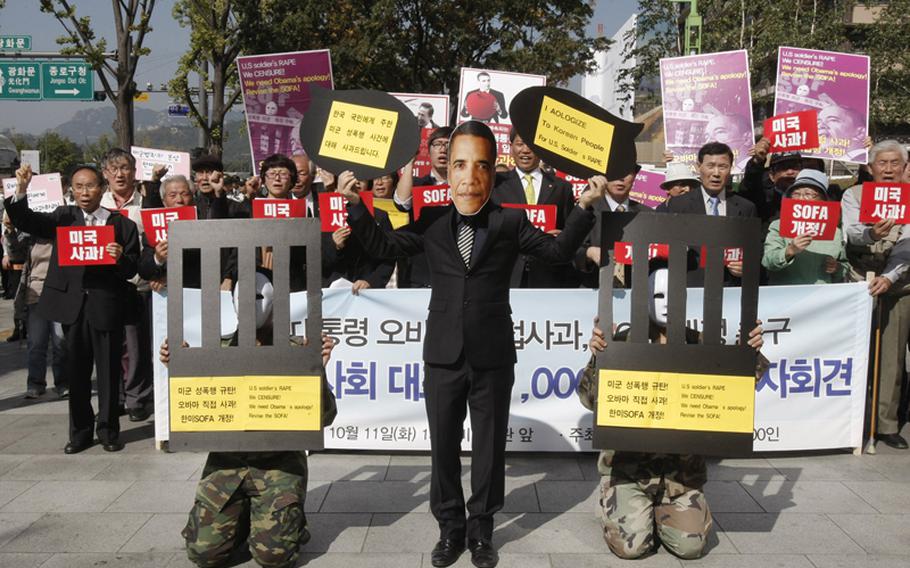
{"x":469,"y":350}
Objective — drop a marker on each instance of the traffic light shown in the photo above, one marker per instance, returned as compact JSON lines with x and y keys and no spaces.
{"x":100,"y":96}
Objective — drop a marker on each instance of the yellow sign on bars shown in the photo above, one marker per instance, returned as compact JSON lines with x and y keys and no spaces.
{"x":574,"y":135}
{"x":675,"y":401}
{"x":359,"y":134}
{"x":213,"y":404}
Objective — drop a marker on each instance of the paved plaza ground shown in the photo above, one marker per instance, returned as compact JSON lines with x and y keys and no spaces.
{"x":366,"y":509}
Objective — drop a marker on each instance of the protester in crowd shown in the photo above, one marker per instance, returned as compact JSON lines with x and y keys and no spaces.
{"x":119,"y":167}
{"x":527,"y":184}
{"x":804,"y":260}
{"x":344,"y":257}
{"x":765,"y":187}
{"x":303,"y":187}
{"x":15,"y":252}
{"x":253,"y":498}
{"x":589,"y":254}
{"x":645,"y":498}
{"x":43,"y":332}
{"x":415,"y":271}
{"x":176,"y":192}
{"x":88,"y":301}
{"x":210,"y":203}
{"x":882,"y":248}
{"x":384,"y":187}
{"x":469,"y":346}
{"x":715,"y":163}
{"x":679,"y":180}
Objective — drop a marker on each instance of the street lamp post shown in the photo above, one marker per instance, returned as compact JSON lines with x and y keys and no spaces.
{"x":693,"y":28}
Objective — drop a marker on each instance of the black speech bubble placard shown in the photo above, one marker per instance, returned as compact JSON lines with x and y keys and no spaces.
{"x":405,"y":139}
{"x":525,"y":112}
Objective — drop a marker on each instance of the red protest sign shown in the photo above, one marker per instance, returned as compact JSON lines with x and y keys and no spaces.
{"x":279,"y":208}
{"x":430,"y":196}
{"x":541,"y":216}
{"x":84,"y":246}
{"x":792,"y":131}
{"x":333,"y":209}
{"x":730,"y":255}
{"x":885,"y":201}
{"x":622,"y":252}
{"x":816,"y":218}
{"x":155,"y":221}
{"x":578,"y":184}
{"x":422,"y":165}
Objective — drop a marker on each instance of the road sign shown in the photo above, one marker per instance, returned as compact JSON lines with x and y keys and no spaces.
{"x":66,"y":80}
{"x":20,"y":80}
{"x":178,"y":110}
{"x":15,"y":43}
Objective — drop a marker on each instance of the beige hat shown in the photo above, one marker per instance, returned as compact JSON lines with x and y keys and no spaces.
{"x":676,"y":172}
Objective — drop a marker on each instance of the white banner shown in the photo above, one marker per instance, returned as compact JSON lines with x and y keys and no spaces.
{"x":817,"y":338}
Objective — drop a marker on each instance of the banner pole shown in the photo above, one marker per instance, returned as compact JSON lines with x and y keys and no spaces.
{"x":870,"y":447}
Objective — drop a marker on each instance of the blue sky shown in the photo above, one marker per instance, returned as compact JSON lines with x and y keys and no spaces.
{"x":167,"y":41}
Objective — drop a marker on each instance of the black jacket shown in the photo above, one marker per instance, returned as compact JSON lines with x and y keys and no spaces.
{"x":353,"y":262}
{"x":103,"y":290}
{"x":588,"y":271}
{"x":530,"y":272}
{"x":469,"y":310}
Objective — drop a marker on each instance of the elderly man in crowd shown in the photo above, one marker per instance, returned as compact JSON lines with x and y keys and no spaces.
{"x":88,"y":300}
{"x":119,"y":167}
{"x":882,"y":248}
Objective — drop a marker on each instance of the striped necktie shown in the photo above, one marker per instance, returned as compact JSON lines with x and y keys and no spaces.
{"x":465,"y":243}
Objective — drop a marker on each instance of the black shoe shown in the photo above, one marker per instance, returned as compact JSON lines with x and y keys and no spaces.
{"x":75,"y":447}
{"x":14,"y":336}
{"x":139,"y":414}
{"x":483,"y":555}
{"x":114,"y":446}
{"x":895,"y":441}
{"x":446,"y":552}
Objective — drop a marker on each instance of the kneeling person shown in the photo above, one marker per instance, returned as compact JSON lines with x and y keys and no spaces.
{"x":252,"y":497}
{"x":643,"y":495}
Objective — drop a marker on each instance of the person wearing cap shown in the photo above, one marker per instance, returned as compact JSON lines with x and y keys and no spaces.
{"x":802,"y":260}
{"x":679,"y":180}
{"x":208,"y":177}
{"x":528,"y":184}
{"x":766,"y":186}
{"x":588,"y":256}
{"x":883,"y":248}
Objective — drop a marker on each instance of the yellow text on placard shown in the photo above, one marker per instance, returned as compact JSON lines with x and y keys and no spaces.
{"x":212,"y":404}
{"x":359,"y":134}
{"x":675,"y":401}
{"x":574,"y":134}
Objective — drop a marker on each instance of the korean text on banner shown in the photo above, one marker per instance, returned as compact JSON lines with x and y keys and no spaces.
{"x":155,"y":221}
{"x":276,"y":94}
{"x":278,"y":208}
{"x":707,"y":98}
{"x":45,"y":192}
{"x":333,"y":210}
{"x":836,"y":85}
{"x":816,"y":218}
{"x":84,"y":246}
{"x":885,"y":201}
{"x":793,"y":131}
{"x":147,"y":159}
{"x":811,"y":397}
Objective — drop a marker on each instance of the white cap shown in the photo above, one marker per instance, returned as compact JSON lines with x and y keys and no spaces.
{"x":676,"y":172}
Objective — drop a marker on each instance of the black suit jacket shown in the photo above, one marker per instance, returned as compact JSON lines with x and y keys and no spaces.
{"x":469,"y":311}
{"x":588,"y":270}
{"x":104,"y":289}
{"x":530,"y":272}
{"x":353,"y":262}
{"x":693,"y":203}
{"x":414,"y":272}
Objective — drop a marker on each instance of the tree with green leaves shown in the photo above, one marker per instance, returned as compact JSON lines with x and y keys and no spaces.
{"x":420,"y":45}
{"x":214,"y":45}
{"x":131,"y":25}
{"x":886,"y":44}
{"x":58,"y":154}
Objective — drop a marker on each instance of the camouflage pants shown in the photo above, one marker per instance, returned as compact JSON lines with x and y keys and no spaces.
{"x":270,"y":519}
{"x":632,"y":513}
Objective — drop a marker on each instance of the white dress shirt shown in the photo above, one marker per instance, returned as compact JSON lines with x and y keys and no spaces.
{"x":613,"y":204}
{"x":536,"y":179}
{"x":721,"y":204}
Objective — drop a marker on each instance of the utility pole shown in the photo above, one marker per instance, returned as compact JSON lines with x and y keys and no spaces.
{"x":692,"y":28}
